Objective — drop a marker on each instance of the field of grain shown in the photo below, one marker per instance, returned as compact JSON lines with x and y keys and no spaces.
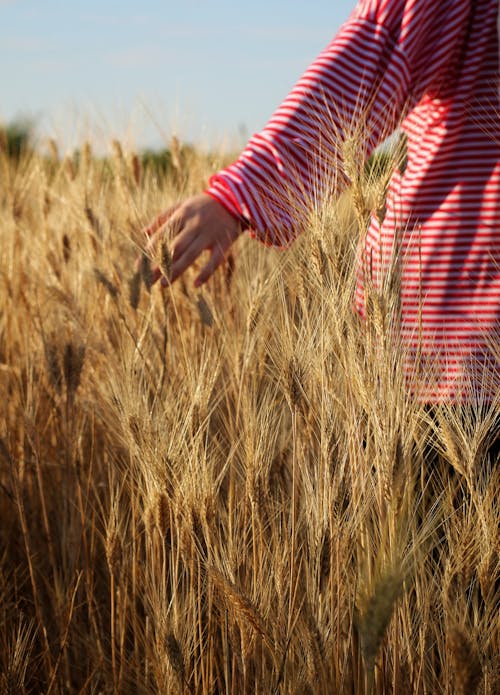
{"x":227,"y":490}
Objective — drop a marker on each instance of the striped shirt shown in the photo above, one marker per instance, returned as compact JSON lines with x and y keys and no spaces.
{"x":431,"y":68}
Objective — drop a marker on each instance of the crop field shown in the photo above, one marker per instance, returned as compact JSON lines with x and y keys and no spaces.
{"x":227,"y":490}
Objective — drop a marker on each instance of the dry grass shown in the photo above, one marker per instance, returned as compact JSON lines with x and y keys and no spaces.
{"x":226,"y":491}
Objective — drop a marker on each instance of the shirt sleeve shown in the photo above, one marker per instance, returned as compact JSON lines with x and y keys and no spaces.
{"x":356,"y":91}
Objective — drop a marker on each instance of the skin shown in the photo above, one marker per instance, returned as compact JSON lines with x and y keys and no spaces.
{"x":198,"y":224}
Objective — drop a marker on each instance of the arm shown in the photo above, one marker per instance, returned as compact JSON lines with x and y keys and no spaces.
{"x":354,"y":91}
{"x":358,"y":88}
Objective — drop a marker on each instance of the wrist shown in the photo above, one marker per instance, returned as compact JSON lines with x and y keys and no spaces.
{"x":244,"y":223}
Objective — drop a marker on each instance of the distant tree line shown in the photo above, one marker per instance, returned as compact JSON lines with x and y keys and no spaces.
{"x":17,"y":139}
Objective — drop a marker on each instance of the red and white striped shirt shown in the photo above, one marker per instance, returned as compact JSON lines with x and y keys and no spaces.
{"x":430,"y":66}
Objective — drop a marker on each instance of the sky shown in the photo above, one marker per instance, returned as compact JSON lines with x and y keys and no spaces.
{"x":209,"y":71}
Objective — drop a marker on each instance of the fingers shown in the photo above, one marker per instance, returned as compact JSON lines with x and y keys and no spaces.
{"x":156,"y":232}
{"x":156,"y":274}
{"x":189,"y":234}
{"x":171,"y":226}
{"x":189,"y":246}
{"x":160,"y":221}
{"x":216,"y":258}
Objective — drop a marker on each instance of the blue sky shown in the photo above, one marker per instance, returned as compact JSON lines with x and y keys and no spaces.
{"x":210,"y":71}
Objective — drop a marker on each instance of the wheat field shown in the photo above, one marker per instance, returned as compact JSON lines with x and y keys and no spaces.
{"x":226,"y":490}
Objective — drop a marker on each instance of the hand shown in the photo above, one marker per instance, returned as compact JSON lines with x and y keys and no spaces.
{"x":198,"y":224}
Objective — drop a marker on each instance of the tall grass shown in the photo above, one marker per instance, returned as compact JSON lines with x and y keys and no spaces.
{"x":224,"y":491}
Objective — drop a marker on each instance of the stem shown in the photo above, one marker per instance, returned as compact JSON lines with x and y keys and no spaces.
{"x":112,"y":627}
{"x":294,"y":520}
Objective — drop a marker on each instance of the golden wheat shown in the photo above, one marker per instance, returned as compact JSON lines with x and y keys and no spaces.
{"x":230,"y":490}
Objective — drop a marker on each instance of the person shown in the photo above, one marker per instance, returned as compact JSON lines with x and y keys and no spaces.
{"x":429,"y":67}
